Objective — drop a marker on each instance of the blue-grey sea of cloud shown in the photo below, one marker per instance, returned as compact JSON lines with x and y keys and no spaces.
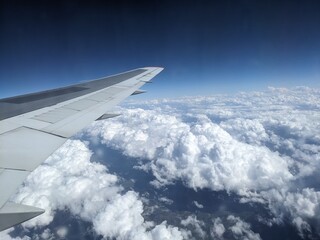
{"x":242,"y":166}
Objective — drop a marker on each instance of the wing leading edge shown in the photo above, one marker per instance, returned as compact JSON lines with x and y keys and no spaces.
{"x":49,"y":118}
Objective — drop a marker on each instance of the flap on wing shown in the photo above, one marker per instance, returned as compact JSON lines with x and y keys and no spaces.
{"x":108,"y":115}
{"x":13,"y":213}
{"x":10,"y":180}
{"x":25,"y":148}
{"x":138,"y":92}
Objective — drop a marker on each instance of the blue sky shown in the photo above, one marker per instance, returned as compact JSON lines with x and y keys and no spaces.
{"x":205,"y":47}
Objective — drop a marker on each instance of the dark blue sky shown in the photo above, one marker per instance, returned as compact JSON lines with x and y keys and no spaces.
{"x":205,"y":46}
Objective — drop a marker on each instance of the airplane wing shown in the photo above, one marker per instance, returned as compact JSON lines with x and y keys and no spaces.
{"x":33,"y":126}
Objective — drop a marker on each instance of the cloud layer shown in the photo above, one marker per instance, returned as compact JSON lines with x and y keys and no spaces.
{"x":263,"y":146}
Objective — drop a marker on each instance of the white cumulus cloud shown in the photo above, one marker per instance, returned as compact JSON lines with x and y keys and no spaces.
{"x":232,"y":226}
{"x":260,"y":145}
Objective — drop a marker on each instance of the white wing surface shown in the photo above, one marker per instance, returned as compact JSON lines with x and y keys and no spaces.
{"x":33,"y":126}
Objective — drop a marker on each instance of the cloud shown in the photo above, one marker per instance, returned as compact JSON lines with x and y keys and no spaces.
{"x":241,"y":229}
{"x":203,"y":155}
{"x":233,"y":227}
{"x":250,"y":131}
{"x":62,"y":232}
{"x":198,"y":205}
{"x":166,"y":200}
{"x":304,"y":203}
{"x":47,"y":234}
{"x":123,"y":220}
{"x":301,"y":205}
{"x":263,"y":146}
{"x":302,"y":226}
{"x":69,"y":180}
{"x":196,"y":224}
{"x":217,"y":229}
